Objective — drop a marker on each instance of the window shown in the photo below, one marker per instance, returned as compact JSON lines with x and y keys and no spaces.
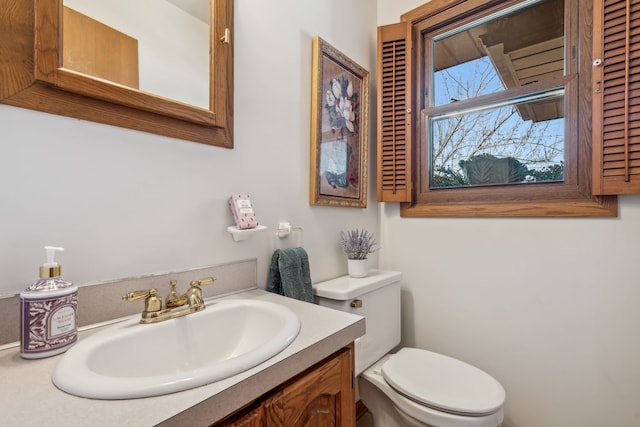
{"x":495,"y":124}
{"x":515,"y":136}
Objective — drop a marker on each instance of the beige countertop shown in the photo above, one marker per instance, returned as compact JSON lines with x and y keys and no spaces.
{"x":29,"y":398}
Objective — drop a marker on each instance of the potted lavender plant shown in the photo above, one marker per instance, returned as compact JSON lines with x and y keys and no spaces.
{"x":357,"y":244}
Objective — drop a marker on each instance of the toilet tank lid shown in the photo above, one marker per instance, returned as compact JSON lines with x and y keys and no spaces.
{"x":346,"y":287}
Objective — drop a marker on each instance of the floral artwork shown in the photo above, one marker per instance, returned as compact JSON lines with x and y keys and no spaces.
{"x":334,"y":163}
{"x":339,"y":133}
{"x":342,"y":105}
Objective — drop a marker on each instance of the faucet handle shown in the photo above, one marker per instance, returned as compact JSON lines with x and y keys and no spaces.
{"x":136,"y":295}
{"x":152,"y":301}
{"x":202,"y":282}
{"x":195,"y":293}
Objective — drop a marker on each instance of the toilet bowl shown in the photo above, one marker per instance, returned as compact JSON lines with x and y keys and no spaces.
{"x":412,"y":387}
{"x":429,"y":389}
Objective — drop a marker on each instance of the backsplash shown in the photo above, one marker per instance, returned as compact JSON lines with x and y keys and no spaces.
{"x":101,"y":302}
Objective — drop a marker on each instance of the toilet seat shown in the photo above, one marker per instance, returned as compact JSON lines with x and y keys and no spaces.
{"x":443,"y":383}
{"x":412,"y":412}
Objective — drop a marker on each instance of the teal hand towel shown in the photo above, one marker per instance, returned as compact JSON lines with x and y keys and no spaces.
{"x":289,"y":274}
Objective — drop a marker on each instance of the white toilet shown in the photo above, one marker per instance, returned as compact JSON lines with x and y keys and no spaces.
{"x":413,"y":387}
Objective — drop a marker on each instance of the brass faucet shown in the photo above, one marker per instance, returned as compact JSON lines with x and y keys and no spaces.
{"x":174,"y":306}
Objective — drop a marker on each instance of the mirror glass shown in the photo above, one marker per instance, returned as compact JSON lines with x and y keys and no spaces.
{"x":160,"y":47}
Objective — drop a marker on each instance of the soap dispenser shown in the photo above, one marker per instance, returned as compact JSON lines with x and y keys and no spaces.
{"x":48,"y":312}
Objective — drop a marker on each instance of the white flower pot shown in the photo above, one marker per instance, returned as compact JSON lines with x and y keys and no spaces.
{"x":358,"y":267}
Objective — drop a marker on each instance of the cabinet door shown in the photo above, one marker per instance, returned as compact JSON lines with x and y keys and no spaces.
{"x":265,"y":413}
{"x":324,"y":396}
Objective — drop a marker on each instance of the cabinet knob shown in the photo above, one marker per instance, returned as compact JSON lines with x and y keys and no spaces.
{"x":356,"y":303}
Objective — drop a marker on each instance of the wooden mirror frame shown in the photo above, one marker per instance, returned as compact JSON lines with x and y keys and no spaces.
{"x":31,"y":77}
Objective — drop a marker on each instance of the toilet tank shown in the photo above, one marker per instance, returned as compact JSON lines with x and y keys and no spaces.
{"x":377,"y":298}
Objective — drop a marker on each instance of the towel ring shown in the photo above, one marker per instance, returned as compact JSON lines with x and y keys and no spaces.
{"x":287,"y":236}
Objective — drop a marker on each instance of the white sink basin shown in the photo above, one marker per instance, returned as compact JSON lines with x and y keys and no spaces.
{"x":131,"y":360}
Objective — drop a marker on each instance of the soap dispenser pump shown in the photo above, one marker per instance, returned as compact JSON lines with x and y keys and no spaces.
{"x":48,"y":312}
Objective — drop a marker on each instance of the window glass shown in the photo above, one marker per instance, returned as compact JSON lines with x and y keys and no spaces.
{"x":515,"y":47}
{"x":499,"y":144}
{"x":495,"y":116}
{"x":463,"y":81}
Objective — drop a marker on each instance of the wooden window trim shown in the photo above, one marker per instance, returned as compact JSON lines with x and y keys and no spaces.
{"x":573,"y":198}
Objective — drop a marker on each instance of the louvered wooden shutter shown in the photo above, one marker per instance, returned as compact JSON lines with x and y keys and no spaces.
{"x":394,"y":113}
{"x":616,"y":97}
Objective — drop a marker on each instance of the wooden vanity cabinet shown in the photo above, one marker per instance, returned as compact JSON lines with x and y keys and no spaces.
{"x":321,"y":396}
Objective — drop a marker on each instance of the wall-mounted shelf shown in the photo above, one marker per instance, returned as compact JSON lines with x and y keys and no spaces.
{"x":240,"y":235}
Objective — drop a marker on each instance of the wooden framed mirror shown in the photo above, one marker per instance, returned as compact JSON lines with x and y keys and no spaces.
{"x":35,"y":74}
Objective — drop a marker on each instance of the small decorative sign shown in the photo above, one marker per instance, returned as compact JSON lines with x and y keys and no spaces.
{"x":242,"y":211}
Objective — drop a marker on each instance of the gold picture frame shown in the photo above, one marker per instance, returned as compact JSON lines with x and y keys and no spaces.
{"x":339,"y":129}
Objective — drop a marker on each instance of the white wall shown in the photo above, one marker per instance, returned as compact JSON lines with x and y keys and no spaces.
{"x":548,"y":306}
{"x":126,"y":203}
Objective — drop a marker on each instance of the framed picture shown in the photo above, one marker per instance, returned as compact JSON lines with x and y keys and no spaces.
{"x":339,"y":129}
